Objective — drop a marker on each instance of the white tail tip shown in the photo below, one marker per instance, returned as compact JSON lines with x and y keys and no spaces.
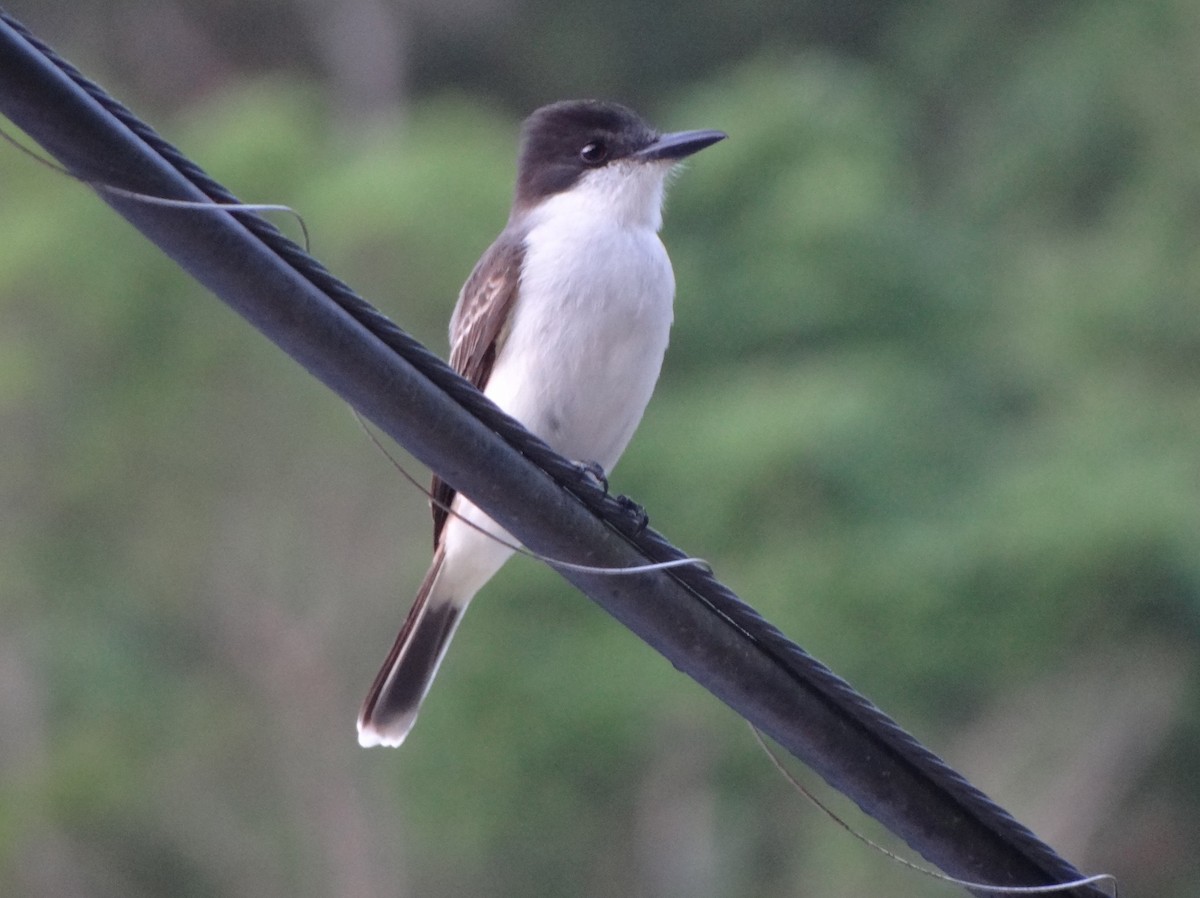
{"x":370,"y":737}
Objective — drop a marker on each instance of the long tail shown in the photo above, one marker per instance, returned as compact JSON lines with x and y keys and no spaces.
{"x":395,"y":697}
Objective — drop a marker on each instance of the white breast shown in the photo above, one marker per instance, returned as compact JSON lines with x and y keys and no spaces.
{"x":592,"y":317}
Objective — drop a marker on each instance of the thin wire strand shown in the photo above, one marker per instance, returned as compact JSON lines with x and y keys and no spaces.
{"x":904,"y":862}
{"x":516,"y":547}
{"x":149,"y":199}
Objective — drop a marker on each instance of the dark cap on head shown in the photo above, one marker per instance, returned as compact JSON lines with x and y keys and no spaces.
{"x":561,"y":141}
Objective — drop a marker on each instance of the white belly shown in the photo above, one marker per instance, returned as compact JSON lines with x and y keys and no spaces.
{"x":588,"y":335}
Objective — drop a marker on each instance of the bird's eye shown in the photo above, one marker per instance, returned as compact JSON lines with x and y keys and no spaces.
{"x":594,"y":153}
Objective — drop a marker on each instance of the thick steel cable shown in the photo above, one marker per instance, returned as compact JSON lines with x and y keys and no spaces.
{"x":686,"y":614}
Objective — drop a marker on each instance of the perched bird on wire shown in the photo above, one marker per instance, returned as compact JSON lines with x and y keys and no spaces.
{"x":563,"y":324}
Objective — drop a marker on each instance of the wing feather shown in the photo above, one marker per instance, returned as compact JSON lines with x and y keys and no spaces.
{"x":478,"y":329}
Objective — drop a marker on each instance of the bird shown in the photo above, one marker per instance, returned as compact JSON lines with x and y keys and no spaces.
{"x":563,"y":324}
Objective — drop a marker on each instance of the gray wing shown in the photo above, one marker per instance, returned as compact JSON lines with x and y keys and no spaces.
{"x":478,"y":328}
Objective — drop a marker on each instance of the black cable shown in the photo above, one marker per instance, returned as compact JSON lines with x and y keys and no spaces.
{"x":685,"y":613}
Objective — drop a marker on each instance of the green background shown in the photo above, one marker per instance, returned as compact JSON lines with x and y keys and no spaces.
{"x":932,"y":405}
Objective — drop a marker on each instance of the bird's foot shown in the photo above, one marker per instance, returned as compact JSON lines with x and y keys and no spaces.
{"x":592,"y":472}
{"x":637,"y":514}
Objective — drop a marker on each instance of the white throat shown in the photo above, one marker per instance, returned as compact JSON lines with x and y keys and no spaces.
{"x":628,"y":194}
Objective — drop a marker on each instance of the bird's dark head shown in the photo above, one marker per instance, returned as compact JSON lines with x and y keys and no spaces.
{"x":564,"y":141}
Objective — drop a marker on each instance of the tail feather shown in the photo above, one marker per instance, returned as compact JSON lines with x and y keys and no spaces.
{"x":391,"y":706}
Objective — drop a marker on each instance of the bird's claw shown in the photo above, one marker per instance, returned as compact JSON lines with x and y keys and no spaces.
{"x":637,"y":514}
{"x":593,"y":473}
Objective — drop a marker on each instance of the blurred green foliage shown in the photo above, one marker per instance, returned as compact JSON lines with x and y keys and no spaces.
{"x":932,"y":405}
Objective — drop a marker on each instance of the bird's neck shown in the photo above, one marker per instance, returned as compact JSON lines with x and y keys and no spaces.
{"x":621,"y":196}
